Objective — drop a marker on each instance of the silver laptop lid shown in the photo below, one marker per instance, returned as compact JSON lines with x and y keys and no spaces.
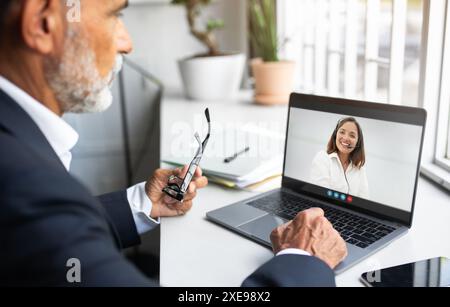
{"x":359,"y":155}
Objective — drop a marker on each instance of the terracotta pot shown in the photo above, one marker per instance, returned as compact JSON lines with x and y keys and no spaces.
{"x":274,"y":81}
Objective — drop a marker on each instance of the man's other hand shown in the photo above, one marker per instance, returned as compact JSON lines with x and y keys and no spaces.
{"x":312,"y":232}
{"x":166,"y":206}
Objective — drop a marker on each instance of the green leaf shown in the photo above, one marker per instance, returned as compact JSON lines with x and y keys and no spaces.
{"x":262,"y":29}
{"x":214,"y":24}
{"x":205,"y":36}
{"x":179,"y":2}
{"x":192,"y":2}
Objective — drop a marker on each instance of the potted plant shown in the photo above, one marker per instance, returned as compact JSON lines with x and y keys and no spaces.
{"x":214,"y":75}
{"x":274,"y":79}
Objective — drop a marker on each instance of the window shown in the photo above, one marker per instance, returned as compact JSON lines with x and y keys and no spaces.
{"x":365,"y":49}
{"x":448,"y":138}
{"x":435,"y":90}
{"x":391,"y":51}
{"x":442,"y":154}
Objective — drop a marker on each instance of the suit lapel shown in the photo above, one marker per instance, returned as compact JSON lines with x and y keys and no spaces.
{"x":18,"y":123}
{"x":15,"y":121}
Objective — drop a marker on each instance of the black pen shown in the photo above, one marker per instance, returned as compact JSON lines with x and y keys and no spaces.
{"x":233,"y":157}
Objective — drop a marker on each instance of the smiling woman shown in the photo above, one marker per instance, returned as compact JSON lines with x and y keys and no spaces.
{"x":348,"y":141}
{"x":341,"y":166}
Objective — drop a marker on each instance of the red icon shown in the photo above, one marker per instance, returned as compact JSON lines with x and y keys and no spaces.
{"x":349,"y":199}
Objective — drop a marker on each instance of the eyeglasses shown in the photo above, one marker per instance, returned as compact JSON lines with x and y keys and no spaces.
{"x":176,"y":186}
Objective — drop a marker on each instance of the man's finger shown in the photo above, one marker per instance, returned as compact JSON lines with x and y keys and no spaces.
{"x":190,"y":196}
{"x":275,"y":235}
{"x":305,"y":216}
{"x":278,"y":231}
{"x":169,"y":200}
{"x":198,"y":172}
{"x":312,"y":213}
{"x":181,"y":172}
{"x":192,"y":192}
{"x":183,"y":207}
{"x":192,"y":187}
{"x":322,"y":223}
{"x":201,"y":182}
{"x":162,"y":173}
{"x":284,"y":226}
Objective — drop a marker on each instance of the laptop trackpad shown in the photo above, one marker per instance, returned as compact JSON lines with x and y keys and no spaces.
{"x":262,"y":227}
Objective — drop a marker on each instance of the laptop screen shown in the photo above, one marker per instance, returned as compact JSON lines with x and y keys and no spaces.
{"x":358,"y":156}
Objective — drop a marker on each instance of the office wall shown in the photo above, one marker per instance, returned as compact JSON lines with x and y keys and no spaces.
{"x":161,"y":37}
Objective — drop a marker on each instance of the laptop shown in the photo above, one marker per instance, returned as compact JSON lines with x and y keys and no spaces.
{"x":358,"y":161}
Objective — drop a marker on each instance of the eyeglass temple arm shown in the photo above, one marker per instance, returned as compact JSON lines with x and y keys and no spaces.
{"x":193,"y":166}
{"x":195,"y":162}
{"x":209,"y":129}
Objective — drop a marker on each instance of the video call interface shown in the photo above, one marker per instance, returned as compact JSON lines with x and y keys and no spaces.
{"x":354,"y":157}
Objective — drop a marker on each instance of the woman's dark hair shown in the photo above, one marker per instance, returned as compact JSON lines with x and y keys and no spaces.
{"x":358,"y":156}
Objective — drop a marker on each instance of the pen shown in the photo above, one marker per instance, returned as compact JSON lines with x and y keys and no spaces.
{"x":233,"y":157}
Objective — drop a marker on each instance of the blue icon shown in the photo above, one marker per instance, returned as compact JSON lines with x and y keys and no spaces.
{"x":336,"y":195}
{"x":330,"y":193}
{"x":343,"y":197}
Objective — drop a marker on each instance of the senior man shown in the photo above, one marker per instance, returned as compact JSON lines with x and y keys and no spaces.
{"x":50,"y":66}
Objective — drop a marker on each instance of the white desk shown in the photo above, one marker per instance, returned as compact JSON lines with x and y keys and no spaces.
{"x":196,"y":252}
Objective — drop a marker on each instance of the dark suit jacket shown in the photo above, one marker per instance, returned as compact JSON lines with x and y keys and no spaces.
{"x":47,"y":217}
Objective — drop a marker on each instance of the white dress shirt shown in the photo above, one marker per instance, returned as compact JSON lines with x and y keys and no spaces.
{"x":293,"y":251}
{"x":327,"y":171}
{"x":62,"y":138}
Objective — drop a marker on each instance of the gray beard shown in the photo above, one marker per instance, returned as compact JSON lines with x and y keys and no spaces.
{"x":75,"y":80}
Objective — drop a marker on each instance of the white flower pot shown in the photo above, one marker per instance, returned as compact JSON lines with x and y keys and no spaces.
{"x":212,"y":78}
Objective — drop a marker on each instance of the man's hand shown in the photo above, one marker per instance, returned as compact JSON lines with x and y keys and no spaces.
{"x":166,"y":206}
{"x":311,"y":232}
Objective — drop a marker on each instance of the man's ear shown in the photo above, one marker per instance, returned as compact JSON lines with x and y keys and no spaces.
{"x":42,"y":25}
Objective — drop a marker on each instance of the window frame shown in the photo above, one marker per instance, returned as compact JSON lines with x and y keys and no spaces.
{"x":442,"y":151}
{"x":434,"y":83}
{"x":435,"y":70}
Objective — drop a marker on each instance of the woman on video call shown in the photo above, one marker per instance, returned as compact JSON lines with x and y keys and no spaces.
{"x":341,"y":166}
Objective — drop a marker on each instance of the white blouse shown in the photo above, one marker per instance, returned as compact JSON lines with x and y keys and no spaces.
{"x":327,"y":172}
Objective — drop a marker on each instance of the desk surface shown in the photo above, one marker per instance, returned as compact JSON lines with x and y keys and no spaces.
{"x":196,"y":252}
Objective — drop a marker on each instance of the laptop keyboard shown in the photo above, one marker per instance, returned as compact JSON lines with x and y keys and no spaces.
{"x":354,"y":229}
